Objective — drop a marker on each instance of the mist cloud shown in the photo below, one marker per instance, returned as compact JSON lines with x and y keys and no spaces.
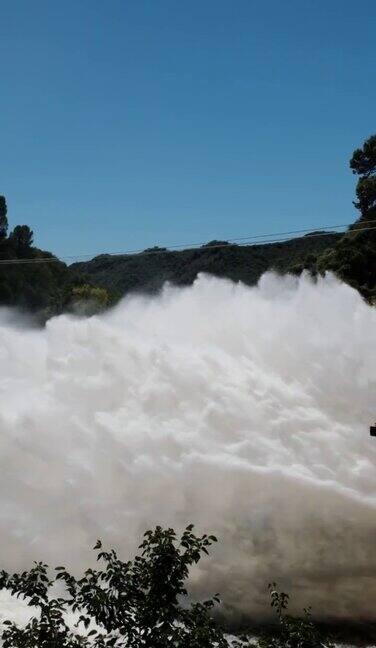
{"x":243,"y":410}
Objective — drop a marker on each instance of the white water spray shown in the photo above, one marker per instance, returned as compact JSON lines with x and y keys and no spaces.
{"x":243,"y":410}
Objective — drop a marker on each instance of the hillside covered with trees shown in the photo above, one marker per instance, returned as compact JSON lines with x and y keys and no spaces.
{"x":351,"y":256}
{"x":30,"y":278}
{"x":38,"y":282}
{"x":149,"y":270}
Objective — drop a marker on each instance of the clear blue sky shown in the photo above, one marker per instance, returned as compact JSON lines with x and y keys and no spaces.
{"x":129,"y":123}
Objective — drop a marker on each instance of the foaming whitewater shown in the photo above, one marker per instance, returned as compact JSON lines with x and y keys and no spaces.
{"x":243,"y":410}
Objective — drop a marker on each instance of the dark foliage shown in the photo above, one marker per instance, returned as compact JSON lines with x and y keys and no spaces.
{"x":137,"y":604}
{"x":36,"y":287}
{"x":148,"y":272}
{"x":134,"y":604}
{"x":353,"y":258}
{"x":292,"y":632}
{"x":38,"y":282}
{"x":21,"y":239}
{"x":363,"y":161}
{"x":48,"y":288}
{"x":216,"y":243}
{"x":141,"y":603}
{"x":25,"y":282}
{"x":155,"y":248}
{"x":3,"y":217}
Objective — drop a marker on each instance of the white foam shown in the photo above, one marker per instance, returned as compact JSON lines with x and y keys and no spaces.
{"x":243,"y":410}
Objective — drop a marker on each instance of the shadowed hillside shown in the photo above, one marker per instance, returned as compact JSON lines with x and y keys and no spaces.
{"x":351,"y":256}
{"x":30,"y":278}
{"x":148,"y":271}
{"x":91,"y":286}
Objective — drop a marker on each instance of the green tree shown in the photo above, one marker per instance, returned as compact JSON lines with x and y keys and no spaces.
{"x":3,"y":217}
{"x":134,"y":604}
{"x":353,"y":258}
{"x":363,"y":161}
{"x":141,"y":603}
{"x":89,"y":300}
{"x":363,"y":164}
{"x":292,"y":632}
{"x":22,"y":239}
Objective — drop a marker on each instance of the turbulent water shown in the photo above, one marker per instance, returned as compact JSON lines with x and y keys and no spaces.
{"x":243,"y":410}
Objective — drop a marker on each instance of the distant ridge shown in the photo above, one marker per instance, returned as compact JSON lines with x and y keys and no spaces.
{"x":148,"y":272}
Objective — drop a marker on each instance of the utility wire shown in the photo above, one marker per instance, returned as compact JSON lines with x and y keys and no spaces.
{"x":282,"y":237}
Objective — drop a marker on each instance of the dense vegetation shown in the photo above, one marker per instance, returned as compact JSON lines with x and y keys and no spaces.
{"x":50,"y":287}
{"x":149,"y":271}
{"x":24,"y":281}
{"x":36,"y":281}
{"x":138,"y":604}
{"x":353,"y":258}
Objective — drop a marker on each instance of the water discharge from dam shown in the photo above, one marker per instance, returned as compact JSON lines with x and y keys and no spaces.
{"x":243,"y":410}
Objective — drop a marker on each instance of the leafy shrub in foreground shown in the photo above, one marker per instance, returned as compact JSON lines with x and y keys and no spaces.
{"x":136,"y":604}
{"x":292,"y":632}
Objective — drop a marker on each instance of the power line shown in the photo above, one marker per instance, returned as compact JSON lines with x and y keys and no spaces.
{"x":233,"y":240}
{"x":282,"y":237}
